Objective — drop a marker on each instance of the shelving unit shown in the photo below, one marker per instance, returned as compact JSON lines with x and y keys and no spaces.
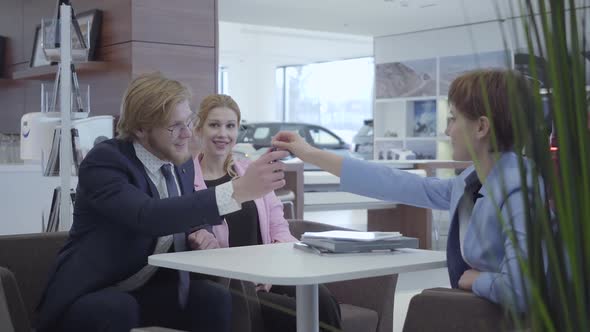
{"x":48,"y":72}
{"x":397,"y":116}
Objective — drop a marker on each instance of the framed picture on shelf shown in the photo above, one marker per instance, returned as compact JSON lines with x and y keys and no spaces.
{"x":92,"y":20}
{"x":90,"y":25}
{"x":424,"y":118}
{"x":405,"y":79}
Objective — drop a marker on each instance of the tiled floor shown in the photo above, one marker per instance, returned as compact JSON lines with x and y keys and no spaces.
{"x":409,"y":284}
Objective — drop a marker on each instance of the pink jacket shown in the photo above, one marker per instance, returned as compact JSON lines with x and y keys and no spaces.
{"x":273,"y":226}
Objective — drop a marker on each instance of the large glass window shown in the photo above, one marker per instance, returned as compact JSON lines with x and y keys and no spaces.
{"x":336,"y":95}
{"x":223,"y":81}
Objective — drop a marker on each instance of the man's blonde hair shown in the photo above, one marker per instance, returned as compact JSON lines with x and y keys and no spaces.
{"x":148,"y":103}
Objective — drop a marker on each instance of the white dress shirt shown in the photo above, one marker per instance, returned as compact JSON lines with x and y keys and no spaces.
{"x":153,"y":166}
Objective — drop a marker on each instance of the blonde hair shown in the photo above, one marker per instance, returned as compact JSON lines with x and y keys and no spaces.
{"x":148,"y":103}
{"x":207,"y":105}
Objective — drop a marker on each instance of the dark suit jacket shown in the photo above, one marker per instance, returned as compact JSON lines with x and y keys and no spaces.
{"x":118,"y":217}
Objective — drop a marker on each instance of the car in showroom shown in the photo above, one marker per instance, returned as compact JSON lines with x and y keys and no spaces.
{"x":255,"y":138}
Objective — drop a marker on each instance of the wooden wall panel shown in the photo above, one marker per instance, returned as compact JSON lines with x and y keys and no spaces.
{"x":12,"y":105}
{"x":106,"y":89}
{"x":183,"y":22}
{"x":192,"y":65}
{"x":116,"y":19}
{"x":11,"y":26}
{"x":176,"y":37}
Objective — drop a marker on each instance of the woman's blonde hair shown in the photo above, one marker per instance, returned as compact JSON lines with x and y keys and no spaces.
{"x":148,"y":103}
{"x":207,"y":105}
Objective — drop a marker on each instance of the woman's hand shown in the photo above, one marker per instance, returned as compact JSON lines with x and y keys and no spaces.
{"x":467,"y":279}
{"x":292,"y":142}
{"x":202,"y":240}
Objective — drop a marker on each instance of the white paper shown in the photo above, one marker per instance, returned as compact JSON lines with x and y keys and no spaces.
{"x":352,"y":235}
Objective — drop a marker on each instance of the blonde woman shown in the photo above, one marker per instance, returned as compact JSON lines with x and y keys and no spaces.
{"x":260,"y":221}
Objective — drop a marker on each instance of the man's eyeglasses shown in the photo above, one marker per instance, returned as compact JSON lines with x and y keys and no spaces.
{"x":176,"y":130}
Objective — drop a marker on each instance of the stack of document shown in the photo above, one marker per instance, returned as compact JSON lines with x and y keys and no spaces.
{"x":351,"y":241}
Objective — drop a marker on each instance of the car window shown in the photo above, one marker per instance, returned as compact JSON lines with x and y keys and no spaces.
{"x":294,"y":128}
{"x":322,"y":137}
{"x":261,"y":133}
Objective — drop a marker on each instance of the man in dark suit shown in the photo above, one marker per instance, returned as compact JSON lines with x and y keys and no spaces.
{"x":135,"y":197}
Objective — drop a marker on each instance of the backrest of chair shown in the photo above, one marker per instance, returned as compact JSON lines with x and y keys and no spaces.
{"x":30,"y":257}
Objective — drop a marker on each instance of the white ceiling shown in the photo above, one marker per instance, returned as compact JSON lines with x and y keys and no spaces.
{"x":362,"y":17}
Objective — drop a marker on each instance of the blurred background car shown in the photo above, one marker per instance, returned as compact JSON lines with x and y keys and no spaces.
{"x":254,"y":139}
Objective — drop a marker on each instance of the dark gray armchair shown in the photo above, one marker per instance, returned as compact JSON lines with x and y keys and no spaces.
{"x":450,"y":310}
{"x":25,"y":261}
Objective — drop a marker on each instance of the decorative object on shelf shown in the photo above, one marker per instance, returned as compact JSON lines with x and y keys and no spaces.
{"x":390,"y":133}
{"x":85,"y":38}
{"x":38,"y":57}
{"x":2,"y":48}
{"x":406,"y":79}
{"x":422,"y":149}
{"x":424,"y":118}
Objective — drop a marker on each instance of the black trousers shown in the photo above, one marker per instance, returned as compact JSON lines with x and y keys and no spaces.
{"x":278,"y":309}
{"x":155,"y":304}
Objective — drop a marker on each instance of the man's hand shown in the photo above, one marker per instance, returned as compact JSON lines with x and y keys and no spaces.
{"x":261,"y":177}
{"x":467,"y":279}
{"x":291,"y":141}
{"x":202,"y":240}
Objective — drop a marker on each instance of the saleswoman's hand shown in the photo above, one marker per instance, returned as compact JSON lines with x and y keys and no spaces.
{"x":467,"y":279}
{"x":292,"y":142}
{"x":263,"y":287}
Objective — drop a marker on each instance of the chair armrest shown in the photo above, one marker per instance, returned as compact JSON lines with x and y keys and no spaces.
{"x":13,"y":316}
{"x":453,"y":310}
{"x":375,"y":293}
{"x":30,"y":257}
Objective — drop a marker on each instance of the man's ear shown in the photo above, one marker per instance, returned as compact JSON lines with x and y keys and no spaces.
{"x":140,"y":133}
{"x":483,"y":127}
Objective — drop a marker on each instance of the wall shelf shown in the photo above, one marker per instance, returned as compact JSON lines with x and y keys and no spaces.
{"x":48,"y":72}
{"x":404,"y":99}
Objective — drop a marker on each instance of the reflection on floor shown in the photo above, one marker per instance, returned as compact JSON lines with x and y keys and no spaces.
{"x":409,"y":284}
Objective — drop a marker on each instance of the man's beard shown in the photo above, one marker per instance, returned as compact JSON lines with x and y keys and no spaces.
{"x":167,"y":154}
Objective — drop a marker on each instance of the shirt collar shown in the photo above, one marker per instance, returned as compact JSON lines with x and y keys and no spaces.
{"x":152,"y":163}
{"x":497,"y":174}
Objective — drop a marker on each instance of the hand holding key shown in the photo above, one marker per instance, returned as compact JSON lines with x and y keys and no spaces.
{"x":261,"y":177}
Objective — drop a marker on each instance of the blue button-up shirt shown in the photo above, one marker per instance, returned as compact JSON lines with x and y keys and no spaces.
{"x":487,"y":247}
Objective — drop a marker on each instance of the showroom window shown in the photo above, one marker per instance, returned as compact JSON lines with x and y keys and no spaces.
{"x":337,"y":95}
{"x":222,"y":81}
